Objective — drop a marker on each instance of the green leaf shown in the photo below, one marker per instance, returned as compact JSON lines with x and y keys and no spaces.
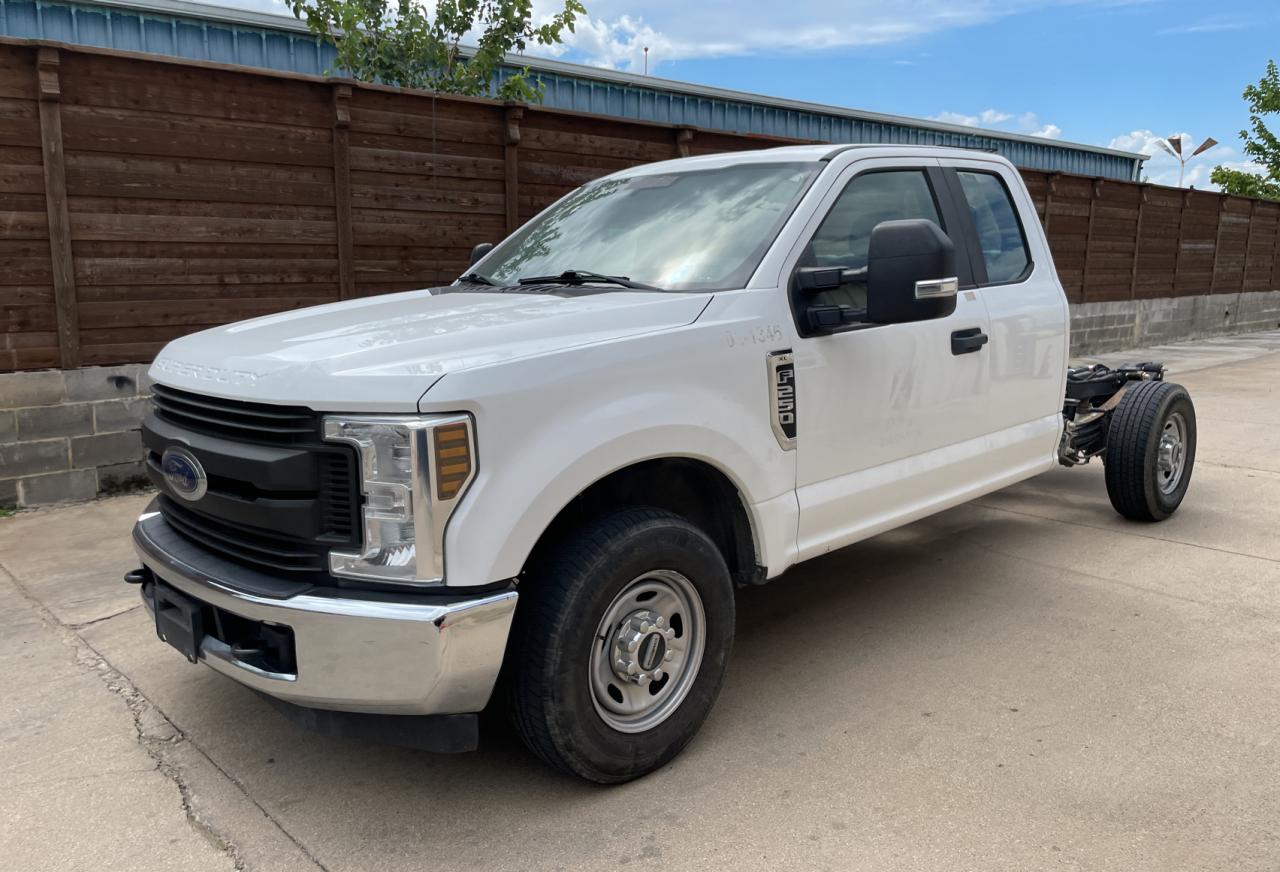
{"x":1259,"y":142}
{"x":418,"y":44}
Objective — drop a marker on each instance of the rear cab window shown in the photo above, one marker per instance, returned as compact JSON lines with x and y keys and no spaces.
{"x":997,"y":226}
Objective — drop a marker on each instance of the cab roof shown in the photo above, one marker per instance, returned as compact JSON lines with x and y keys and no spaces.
{"x":797,"y":154}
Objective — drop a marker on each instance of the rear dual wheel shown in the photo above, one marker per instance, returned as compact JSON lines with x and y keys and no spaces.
{"x":620,"y":645}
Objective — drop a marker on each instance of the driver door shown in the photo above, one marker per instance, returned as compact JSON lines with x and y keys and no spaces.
{"x":891,"y":420}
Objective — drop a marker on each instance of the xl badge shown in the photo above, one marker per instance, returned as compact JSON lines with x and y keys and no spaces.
{"x":183,"y":473}
{"x":782,"y":395}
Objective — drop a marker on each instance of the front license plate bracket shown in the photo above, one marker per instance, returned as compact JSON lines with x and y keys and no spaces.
{"x":179,"y":621}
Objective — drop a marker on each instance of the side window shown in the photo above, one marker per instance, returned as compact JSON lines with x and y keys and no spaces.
{"x":845,"y":234}
{"x":1004,"y":248}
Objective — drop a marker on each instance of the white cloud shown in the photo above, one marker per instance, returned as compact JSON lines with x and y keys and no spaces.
{"x":994,"y":119}
{"x":615,"y":32}
{"x":1212,"y":24}
{"x":618,"y":45}
{"x":955,"y":118}
{"x":1030,"y":124}
{"x":1162,"y":168}
{"x":1143,"y":141}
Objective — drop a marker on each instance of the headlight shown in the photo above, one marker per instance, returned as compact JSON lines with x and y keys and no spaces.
{"x":413,"y":471}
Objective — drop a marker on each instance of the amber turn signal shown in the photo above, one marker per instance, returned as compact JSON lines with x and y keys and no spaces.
{"x":453,"y":459}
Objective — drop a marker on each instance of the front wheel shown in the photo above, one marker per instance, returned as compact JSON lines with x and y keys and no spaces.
{"x":1151,"y":448}
{"x":620,"y":645}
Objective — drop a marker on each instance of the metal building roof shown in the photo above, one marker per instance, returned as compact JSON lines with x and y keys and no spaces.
{"x":237,"y":36}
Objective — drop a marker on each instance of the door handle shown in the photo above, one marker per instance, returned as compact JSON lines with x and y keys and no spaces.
{"x":968,"y":341}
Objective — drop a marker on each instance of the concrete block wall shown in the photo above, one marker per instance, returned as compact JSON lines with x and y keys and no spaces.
{"x":70,"y":435}
{"x":1101,"y":327}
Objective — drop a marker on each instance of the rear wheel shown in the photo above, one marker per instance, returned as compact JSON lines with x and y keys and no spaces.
{"x":620,"y":645}
{"x":1151,"y":449}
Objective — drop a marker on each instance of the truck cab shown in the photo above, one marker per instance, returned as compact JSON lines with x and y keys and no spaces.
{"x":537,"y":488}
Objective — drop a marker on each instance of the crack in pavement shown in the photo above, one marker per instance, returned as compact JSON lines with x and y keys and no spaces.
{"x":156,"y":734}
{"x":1075,"y":570}
{"x":67,"y":779}
{"x":1200,"y":461}
{"x":985,"y":505}
{"x":83,"y":624}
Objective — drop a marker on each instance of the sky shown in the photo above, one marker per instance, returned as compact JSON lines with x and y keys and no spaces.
{"x":1118,"y":73}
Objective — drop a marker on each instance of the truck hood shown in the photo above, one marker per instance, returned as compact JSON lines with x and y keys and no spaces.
{"x":383,"y":353}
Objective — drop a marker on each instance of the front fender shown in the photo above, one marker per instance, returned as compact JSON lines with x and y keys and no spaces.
{"x":547,"y":429}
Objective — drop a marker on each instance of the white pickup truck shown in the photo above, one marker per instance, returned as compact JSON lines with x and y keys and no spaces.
{"x":537,"y":488}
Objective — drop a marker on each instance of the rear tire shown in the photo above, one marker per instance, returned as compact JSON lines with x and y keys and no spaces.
{"x":637,"y":594}
{"x":1151,"y":449}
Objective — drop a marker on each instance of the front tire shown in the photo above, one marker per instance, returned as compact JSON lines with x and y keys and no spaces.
{"x":1151,"y":448}
{"x":620,"y":645}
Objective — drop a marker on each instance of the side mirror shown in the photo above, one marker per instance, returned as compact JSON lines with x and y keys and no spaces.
{"x":911,"y":272}
{"x":479,"y":252}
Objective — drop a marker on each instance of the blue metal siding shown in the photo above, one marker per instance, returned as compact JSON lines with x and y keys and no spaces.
{"x":652,"y":104}
{"x":291,"y":51}
{"x":177,"y":36}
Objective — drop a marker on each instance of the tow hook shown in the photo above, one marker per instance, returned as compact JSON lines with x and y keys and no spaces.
{"x":141,"y":575}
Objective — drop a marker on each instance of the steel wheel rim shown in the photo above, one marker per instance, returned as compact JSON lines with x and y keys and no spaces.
{"x":622,"y":699}
{"x":1171,"y":453}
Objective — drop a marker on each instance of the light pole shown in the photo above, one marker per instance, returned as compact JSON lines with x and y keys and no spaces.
{"x":1173,"y":145}
{"x":646,"y":60}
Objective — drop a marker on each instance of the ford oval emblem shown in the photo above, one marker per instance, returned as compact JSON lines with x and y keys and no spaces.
{"x":183,"y":473}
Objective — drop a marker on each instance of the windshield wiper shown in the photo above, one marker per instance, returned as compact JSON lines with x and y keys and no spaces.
{"x":582,"y":277}
{"x":477,"y":279}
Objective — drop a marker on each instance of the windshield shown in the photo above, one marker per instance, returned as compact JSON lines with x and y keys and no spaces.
{"x":694,"y":230}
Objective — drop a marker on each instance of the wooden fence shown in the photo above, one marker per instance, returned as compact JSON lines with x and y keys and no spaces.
{"x":141,"y":199}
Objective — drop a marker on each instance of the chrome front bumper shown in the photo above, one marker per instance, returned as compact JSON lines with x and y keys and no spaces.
{"x":355,"y":652}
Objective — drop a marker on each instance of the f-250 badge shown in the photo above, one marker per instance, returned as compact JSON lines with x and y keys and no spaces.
{"x":782,"y":396}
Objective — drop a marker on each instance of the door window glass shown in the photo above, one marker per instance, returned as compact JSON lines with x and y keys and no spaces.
{"x":1000,"y":235}
{"x":845,"y":235}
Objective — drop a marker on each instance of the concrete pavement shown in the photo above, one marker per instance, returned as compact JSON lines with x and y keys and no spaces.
{"x":1024,"y":682}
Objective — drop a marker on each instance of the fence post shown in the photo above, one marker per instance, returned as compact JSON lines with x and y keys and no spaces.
{"x":1275,"y":259}
{"x":512,"y":115}
{"x":1217,"y":243}
{"x":1095,"y":195}
{"x":1051,"y":188}
{"x":342,"y":191}
{"x":684,"y":138}
{"x":55,"y":195}
{"x":1137,"y":244}
{"x":1248,"y":244}
{"x":1177,"y":255}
